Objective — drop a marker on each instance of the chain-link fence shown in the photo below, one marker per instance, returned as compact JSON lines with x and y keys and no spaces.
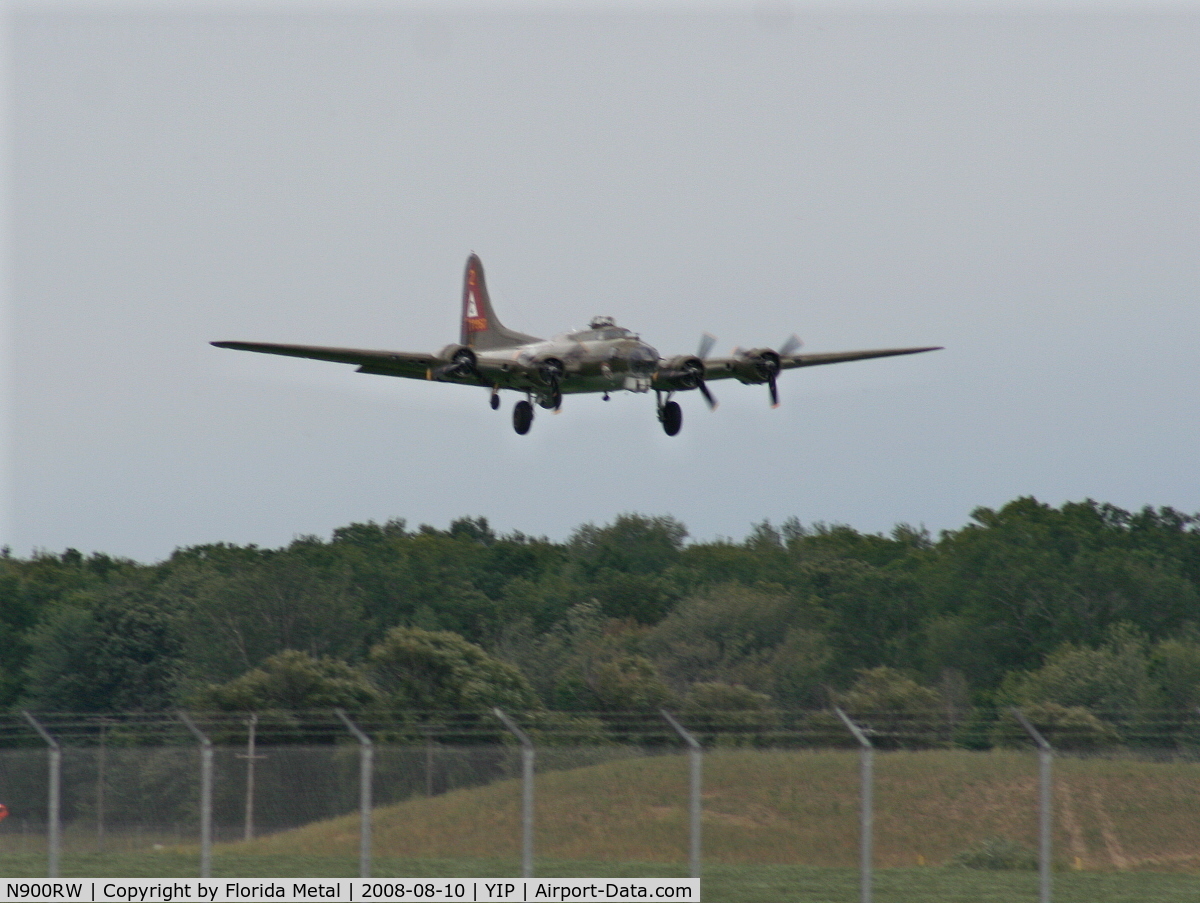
{"x":318,"y":795}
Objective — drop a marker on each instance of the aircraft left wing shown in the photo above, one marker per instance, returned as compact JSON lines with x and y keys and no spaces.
{"x":762,"y":365}
{"x":383,"y":363}
{"x":787,"y":362}
{"x":756,"y":365}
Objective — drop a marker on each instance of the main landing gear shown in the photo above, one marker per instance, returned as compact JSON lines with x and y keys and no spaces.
{"x":670,"y":415}
{"x":523,"y":409}
{"x":522,"y":417}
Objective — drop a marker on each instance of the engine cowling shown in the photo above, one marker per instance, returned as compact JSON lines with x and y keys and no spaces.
{"x":758,"y":365}
{"x":460,"y":363}
{"x":458,"y":354}
{"x":550,"y":371}
{"x":684,"y":371}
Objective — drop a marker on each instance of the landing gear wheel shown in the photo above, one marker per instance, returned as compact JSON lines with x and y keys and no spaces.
{"x":495,"y":402}
{"x":551,"y":402}
{"x":671,"y":417}
{"x":522,"y":417}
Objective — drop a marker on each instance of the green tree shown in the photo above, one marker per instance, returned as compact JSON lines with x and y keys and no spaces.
{"x":1112,"y":681}
{"x":1022,"y":581}
{"x":1064,"y":727}
{"x":292,"y":681}
{"x":627,"y":566}
{"x":109,"y":650}
{"x":760,"y":638}
{"x":557,"y":660}
{"x":1175,"y":670}
{"x":235,"y":614}
{"x":800,"y":667}
{"x":441,"y":671}
{"x":633,"y":543}
{"x":896,"y":710}
{"x":734,"y":715}
{"x":629,"y":683}
{"x":31,"y":588}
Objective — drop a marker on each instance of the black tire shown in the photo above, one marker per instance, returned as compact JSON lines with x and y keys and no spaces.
{"x":522,"y":417}
{"x":495,"y":402}
{"x":672,"y":418}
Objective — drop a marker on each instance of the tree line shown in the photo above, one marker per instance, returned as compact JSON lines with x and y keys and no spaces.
{"x":1086,"y":615}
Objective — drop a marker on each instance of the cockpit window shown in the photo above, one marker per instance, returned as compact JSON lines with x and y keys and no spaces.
{"x":643,"y":359}
{"x":601,"y":335}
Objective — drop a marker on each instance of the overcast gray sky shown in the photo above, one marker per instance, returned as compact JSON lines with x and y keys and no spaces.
{"x":1021,"y":186}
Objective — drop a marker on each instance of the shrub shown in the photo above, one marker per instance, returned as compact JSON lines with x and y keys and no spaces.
{"x":896,"y":711}
{"x":1064,"y":727}
{"x":732,"y":714}
{"x":996,"y":854}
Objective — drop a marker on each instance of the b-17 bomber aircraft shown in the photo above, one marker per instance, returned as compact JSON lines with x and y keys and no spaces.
{"x":602,"y":358}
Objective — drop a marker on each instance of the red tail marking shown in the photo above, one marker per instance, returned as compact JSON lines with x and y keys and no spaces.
{"x":475,"y":321}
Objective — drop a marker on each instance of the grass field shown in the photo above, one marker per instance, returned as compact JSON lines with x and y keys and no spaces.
{"x":799,"y":808}
{"x":721,"y":883}
{"x":777,"y":826}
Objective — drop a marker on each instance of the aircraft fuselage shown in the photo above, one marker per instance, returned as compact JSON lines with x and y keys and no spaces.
{"x":587,"y":365}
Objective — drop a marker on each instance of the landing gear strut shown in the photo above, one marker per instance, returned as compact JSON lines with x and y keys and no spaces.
{"x":522,"y":417}
{"x":670,"y":416}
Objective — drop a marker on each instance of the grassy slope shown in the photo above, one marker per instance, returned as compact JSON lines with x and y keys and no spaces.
{"x":778,"y":828}
{"x":722,"y":883}
{"x":799,"y":808}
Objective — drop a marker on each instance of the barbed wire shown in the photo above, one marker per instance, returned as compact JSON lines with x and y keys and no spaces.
{"x":1077,"y":730}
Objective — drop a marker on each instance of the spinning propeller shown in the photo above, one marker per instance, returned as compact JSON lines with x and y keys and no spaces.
{"x":764,"y":364}
{"x":788,"y":348}
{"x":692,"y":372}
{"x":462,"y":364}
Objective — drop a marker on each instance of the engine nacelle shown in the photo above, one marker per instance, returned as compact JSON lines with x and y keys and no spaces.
{"x":460,"y":364}
{"x":550,"y":370}
{"x":684,"y":371}
{"x":758,"y":365}
{"x":459,"y":354}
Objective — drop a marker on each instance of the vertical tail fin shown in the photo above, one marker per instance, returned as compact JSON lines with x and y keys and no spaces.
{"x":477,"y":315}
{"x":480,"y":326}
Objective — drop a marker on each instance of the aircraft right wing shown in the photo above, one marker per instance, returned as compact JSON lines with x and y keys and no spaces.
{"x":381,"y":363}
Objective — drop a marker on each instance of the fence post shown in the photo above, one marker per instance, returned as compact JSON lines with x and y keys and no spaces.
{"x":1045,"y":754}
{"x":250,"y":757}
{"x":365,"y":772}
{"x":101,"y":765}
{"x":867,"y":810}
{"x":55,"y":804}
{"x":527,"y":753}
{"x":429,"y":764}
{"x":695,"y":762}
{"x":206,"y":781}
